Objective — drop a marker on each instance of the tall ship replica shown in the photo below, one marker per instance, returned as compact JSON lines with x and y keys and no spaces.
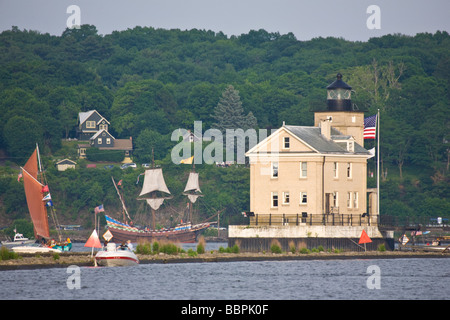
{"x":154,"y":192}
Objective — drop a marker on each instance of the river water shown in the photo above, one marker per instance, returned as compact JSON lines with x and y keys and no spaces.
{"x":387,"y":279}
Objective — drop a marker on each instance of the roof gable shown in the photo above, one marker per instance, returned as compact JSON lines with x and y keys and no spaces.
{"x":95,"y":136}
{"x":84,"y":116}
{"x":307,"y":140}
{"x":275,"y":143}
{"x":66,"y":161}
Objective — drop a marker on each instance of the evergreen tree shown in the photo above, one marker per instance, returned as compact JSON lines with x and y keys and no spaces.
{"x":229,"y":113}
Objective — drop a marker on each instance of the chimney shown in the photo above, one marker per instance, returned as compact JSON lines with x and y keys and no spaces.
{"x":325,"y":128}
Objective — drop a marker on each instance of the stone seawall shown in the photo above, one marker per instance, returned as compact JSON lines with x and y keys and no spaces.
{"x":345,"y":238}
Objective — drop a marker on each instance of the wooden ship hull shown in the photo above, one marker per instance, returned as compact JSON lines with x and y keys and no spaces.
{"x":184,"y":233}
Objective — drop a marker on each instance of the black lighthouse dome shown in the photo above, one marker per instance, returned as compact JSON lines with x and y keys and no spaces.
{"x":339,"y":95}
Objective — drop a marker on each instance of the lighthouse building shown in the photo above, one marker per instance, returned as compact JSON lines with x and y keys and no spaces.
{"x":308,"y":184}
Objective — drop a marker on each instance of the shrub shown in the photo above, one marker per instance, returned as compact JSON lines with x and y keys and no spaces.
{"x":155,"y":247}
{"x":304,"y":250}
{"x":235,"y":249}
{"x":201,"y":245}
{"x":5,"y":254}
{"x":169,"y":248}
{"x":55,"y":256}
{"x":275,"y":247}
{"x":292,"y":247}
{"x":381,"y":247}
{"x":191,"y":253}
{"x":320,"y":248}
{"x":144,"y":248}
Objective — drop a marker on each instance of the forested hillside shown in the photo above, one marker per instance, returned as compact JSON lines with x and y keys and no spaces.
{"x":148,"y":82}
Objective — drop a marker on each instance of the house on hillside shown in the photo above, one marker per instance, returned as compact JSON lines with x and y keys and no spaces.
{"x":89,"y":123}
{"x":93,"y":129}
{"x":65,"y":164}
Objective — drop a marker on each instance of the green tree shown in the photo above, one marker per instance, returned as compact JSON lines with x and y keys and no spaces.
{"x":21,"y":135}
{"x":229,"y":113}
{"x":148,"y":141}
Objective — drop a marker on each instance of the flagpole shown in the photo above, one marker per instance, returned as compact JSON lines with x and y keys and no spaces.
{"x":378,"y":163}
{"x":95,"y":228}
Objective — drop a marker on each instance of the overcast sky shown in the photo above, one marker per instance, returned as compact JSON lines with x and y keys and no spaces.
{"x":305,"y":19}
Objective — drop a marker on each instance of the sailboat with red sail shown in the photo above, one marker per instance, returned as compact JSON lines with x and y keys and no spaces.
{"x":38,"y":200}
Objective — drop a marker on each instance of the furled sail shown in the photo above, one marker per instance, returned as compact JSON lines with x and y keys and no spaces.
{"x":192,"y":188}
{"x":33,"y":192}
{"x":153,"y":188}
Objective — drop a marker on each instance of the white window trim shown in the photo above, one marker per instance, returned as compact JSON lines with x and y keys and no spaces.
{"x":288,"y":140}
{"x":272,"y":194}
{"x":286,"y":197}
{"x":355,"y":200}
{"x":303,"y":193}
{"x":351,"y":146}
{"x":108,"y":140}
{"x":272,"y":170}
{"x":99,"y":141}
{"x":349,"y":199}
{"x":336,"y":199}
{"x":336,"y":170}
{"x":349,"y":170}
{"x":301,"y":169}
{"x":91,"y":125}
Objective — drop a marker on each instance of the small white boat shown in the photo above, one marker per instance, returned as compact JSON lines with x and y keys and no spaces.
{"x":19,"y":239}
{"x":37,"y":248}
{"x":115,"y":257}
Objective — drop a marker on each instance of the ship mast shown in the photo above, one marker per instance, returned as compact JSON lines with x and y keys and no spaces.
{"x":192,"y":190}
{"x":153,"y":189}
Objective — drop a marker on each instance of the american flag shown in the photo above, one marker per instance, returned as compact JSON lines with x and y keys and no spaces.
{"x":370,"y":127}
{"x":99,"y":209}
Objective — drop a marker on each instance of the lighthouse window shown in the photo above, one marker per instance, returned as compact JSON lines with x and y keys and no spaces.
{"x":349,"y":199}
{"x":335,"y":199}
{"x":351,"y":146}
{"x":274,"y":169}
{"x":274,"y":199}
{"x":349,"y":170}
{"x":286,"y":143}
{"x":285,"y":197}
{"x":303,"y":198}
{"x":303,"y":169}
{"x":335,"y":169}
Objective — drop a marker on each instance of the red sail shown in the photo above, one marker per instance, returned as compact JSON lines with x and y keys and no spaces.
{"x":32,"y":165}
{"x":33,"y":192}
